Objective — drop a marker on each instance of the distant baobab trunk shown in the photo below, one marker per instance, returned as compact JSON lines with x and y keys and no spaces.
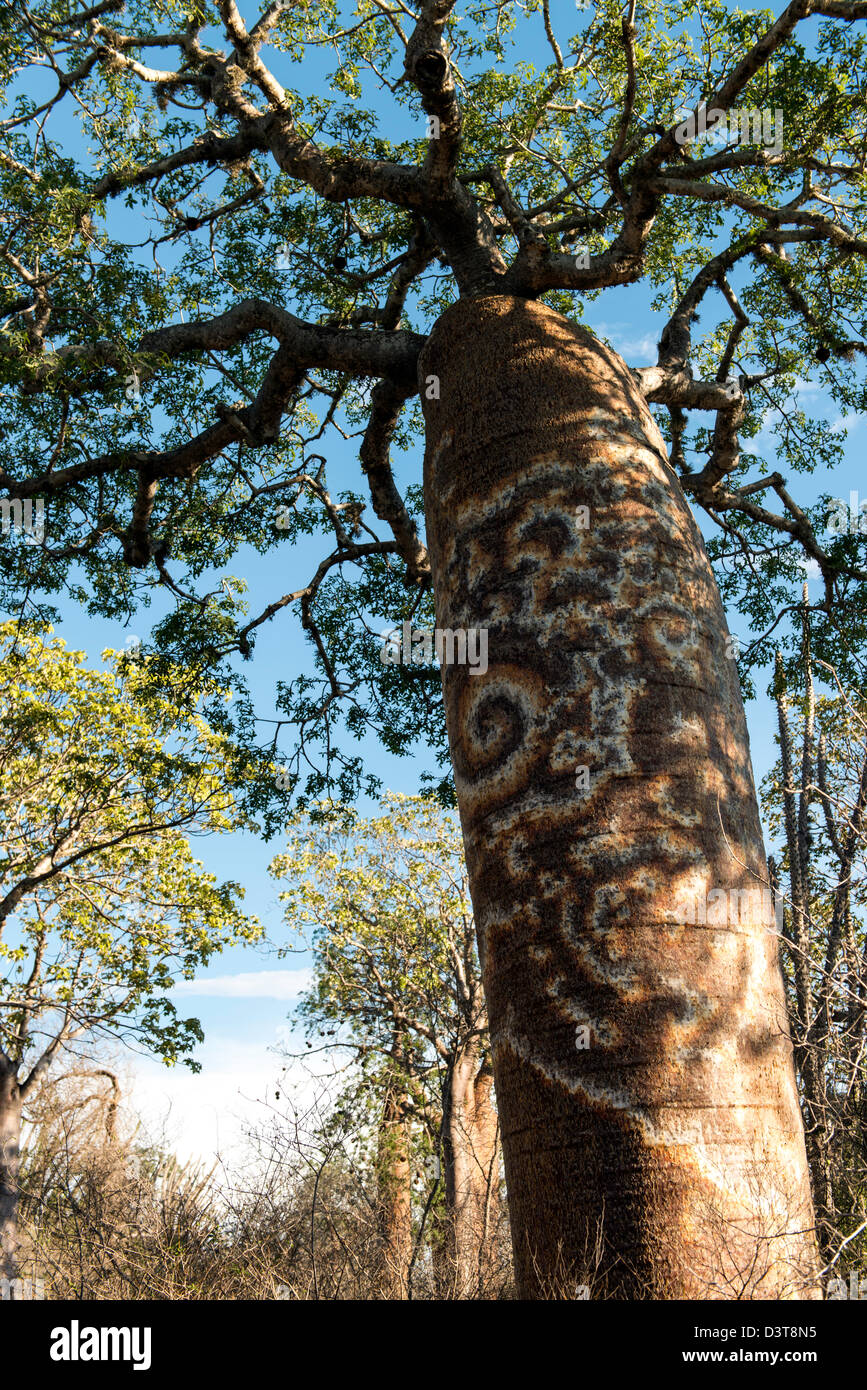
{"x":652,"y":1137}
{"x":10,"y":1146}
{"x":394,"y":1180}
{"x":472,"y":1173}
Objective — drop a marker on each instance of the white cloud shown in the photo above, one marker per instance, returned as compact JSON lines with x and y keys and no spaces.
{"x":251,"y":984}
{"x":845,"y":424}
{"x":642,"y":350}
{"x":205,"y":1117}
{"x":633,"y":349}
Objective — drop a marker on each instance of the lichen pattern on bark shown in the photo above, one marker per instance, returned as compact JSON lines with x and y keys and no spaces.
{"x":666,"y":1158}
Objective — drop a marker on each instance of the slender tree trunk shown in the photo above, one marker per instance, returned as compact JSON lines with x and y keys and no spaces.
{"x":471,"y":1172}
{"x":486,"y":1173}
{"x":10,"y":1145}
{"x":395,"y":1200}
{"x":810,"y":1021}
{"x":603,"y":774}
{"x":462,"y":1238}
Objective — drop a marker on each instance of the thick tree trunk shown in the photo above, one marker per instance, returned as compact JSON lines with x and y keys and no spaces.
{"x":10,"y":1145}
{"x":603,"y":778}
{"x":471,"y":1173}
{"x":394,"y":1176}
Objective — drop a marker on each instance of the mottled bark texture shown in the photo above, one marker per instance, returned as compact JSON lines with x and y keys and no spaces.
{"x":10,"y":1144}
{"x":666,"y":1158}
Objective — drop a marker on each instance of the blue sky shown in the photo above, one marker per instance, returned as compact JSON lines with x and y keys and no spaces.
{"x":243,"y":999}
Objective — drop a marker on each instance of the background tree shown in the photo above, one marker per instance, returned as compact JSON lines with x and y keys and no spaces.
{"x":816,"y":797}
{"x":102,"y":905}
{"x":273,"y":228}
{"x":384,"y":906}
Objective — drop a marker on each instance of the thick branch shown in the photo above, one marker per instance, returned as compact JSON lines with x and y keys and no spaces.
{"x":387,"y":403}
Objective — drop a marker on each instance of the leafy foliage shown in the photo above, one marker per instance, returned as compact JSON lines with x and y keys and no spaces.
{"x":180,"y":189}
{"x":102,"y":903}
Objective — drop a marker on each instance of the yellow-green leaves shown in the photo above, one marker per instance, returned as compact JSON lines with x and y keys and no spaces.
{"x":383,"y":904}
{"x":102,"y":903}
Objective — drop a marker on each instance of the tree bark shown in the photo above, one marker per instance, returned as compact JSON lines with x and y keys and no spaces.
{"x":486,"y":1173}
{"x":395,"y":1200}
{"x":471,"y":1172}
{"x":10,"y":1148}
{"x":666,"y":1158}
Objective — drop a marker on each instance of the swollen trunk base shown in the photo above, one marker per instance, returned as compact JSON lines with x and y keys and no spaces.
{"x":652,"y":1137}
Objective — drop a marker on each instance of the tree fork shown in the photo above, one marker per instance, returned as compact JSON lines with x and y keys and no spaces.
{"x":603,"y":778}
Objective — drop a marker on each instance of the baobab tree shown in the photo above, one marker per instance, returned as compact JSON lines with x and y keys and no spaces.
{"x":262,"y":231}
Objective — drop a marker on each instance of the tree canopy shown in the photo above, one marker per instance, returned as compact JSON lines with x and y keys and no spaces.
{"x":383,"y":905}
{"x":227,"y":236}
{"x":102,"y":903}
